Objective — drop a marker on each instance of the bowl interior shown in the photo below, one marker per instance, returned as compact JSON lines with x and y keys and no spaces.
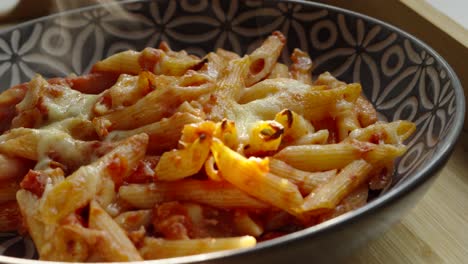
{"x":402,"y":77}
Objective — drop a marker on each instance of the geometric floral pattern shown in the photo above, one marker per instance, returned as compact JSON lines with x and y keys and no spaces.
{"x":398,"y":75}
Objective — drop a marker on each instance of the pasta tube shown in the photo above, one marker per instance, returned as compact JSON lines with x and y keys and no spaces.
{"x":156,"y":248}
{"x":251,"y":175}
{"x":330,"y":194}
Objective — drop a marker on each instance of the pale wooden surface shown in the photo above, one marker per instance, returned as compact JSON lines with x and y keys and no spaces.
{"x":439,"y":19}
{"x":436,"y":230}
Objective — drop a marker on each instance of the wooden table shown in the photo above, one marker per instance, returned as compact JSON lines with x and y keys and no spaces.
{"x":436,"y":230}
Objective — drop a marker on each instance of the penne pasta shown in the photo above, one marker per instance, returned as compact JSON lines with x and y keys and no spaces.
{"x":159,"y":61}
{"x":293,"y":94}
{"x":329,"y":80}
{"x":346,"y":119}
{"x":263,"y":59}
{"x":163,"y":135}
{"x":305,"y":181}
{"x":218,"y":194}
{"x":330,"y":194}
{"x":336,"y":156}
{"x":126,"y":91}
{"x":320,"y":137}
{"x":114,"y":245}
{"x":122,"y":62}
{"x":50,"y":145}
{"x":82,"y":185}
{"x":181,"y":163}
{"x":167,"y":96}
{"x":29,"y":207}
{"x":154,"y":248}
{"x":91,"y":83}
{"x":251,"y":176}
{"x":134,"y":220}
{"x":352,"y":201}
{"x":388,"y":133}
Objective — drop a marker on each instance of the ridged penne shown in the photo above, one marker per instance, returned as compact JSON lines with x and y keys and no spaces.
{"x":168,"y":96}
{"x":181,"y":163}
{"x":29,"y":207}
{"x":329,"y":80}
{"x":134,"y":220}
{"x":45,"y":103}
{"x":305,"y":181}
{"x":346,"y":119}
{"x":319,"y":157}
{"x":159,"y":61}
{"x":251,"y":176}
{"x":126,"y":91}
{"x":114,"y":245}
{"x":337,"y":156}
{"x":300,"y":98}
{"x":163,"y":135}
{"x":263,"y":59}
{"x":157,"y":248}
{"x":319,"y":137}
{"x":51,"y":144}
{"x":218,"y":194}
{"x":389,"y":133}
{"x":122,"y":62}
{"x":81,"y":187}
{"x":330,"y":194}
{"x":352,"y":201}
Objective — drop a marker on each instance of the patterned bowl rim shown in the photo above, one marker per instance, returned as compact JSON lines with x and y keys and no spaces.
{"x":445,"y":149}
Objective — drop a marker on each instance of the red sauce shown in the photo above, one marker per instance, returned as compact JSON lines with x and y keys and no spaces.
{"x":34,"y":182}
{"x":144,"y":172}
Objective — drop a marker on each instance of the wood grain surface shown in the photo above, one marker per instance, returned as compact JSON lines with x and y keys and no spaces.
{"x":436,"y":230}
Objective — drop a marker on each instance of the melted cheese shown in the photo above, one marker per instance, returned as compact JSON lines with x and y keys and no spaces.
{"x":71,"y":104}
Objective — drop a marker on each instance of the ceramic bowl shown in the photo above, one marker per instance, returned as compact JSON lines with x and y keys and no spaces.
{"x":403,"y":77}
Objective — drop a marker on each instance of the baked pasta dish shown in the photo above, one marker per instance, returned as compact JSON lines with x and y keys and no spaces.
{"x":158,"y":153}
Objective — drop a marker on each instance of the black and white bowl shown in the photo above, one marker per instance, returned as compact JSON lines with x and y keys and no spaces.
{"x":401,"y":76}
